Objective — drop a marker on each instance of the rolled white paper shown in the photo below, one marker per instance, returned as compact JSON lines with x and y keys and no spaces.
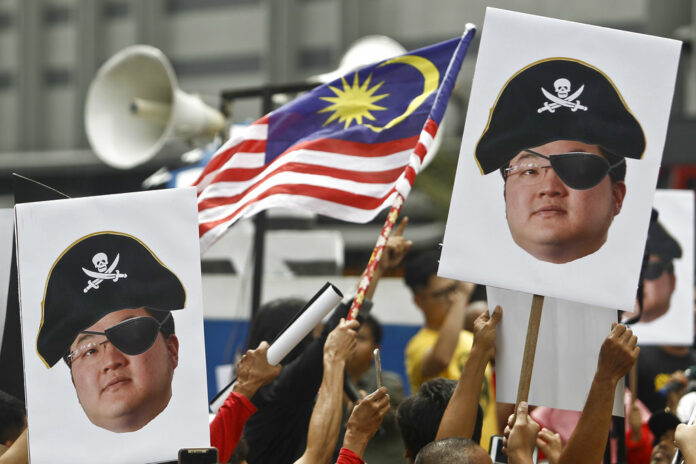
{"x":308,"y":320}
{"x":318,"y":307}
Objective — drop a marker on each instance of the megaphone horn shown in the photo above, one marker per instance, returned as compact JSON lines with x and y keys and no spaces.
{"x":134,"y":107}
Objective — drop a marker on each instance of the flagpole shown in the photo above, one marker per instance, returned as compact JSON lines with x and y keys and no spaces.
{"x":436,"y":115}
{"x":372,"y":264}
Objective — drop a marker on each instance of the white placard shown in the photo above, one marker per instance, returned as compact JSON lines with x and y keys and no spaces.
{"x":59,"y":430}
{"x":570,"y":336}
{"x":676,"y":326}
{"x":478,"y":245}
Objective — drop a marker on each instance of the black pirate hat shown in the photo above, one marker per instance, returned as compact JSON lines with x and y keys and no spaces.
{"x":96,"y":275}
{"x":660,"y":242}
{"x":558,"y":99}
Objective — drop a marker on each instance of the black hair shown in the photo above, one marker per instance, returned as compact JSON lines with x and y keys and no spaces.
{"x":419,"y":268}
{"x":12,"y":417}
{"x":453,"y":450}
{"x":271,"y":319}
{"x":420,"y":414}
{"x":375,"y":327}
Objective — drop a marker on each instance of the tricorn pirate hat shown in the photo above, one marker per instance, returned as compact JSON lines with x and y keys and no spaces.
{"x":96,"y":275}
{"x":558,"y":99}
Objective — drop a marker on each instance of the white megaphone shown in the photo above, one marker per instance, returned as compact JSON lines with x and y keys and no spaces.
{"x":366,"y":51}
{"x":134,"y":107}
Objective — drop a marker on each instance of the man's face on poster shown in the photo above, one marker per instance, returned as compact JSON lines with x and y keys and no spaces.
{"x":657,"y":290}
{"x":119,"y":392}
{"x":552,"y":221}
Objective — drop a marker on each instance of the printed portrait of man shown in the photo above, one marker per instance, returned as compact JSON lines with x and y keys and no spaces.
{"x":560,"y":133}
{"x":659,"y":279}
{"x":107,"y":312}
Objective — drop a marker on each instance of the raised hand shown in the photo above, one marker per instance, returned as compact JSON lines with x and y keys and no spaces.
{"x":253,"y":371}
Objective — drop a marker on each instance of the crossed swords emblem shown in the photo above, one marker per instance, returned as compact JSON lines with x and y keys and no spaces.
{"x":99,"y":277}
{"x":556,"y":102}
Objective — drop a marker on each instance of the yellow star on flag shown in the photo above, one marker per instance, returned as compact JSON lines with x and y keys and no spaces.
{"x":353,"y":102}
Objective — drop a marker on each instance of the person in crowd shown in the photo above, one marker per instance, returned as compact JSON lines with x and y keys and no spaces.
{"x":253,"y":372}
{"x":453,"y":451}
{"x":18,"y":452}
{"x":563,"y":162}
{"x":587,"y":442}
{"x":13,"y":420}
{"x":363,"y":423}
{"x":326,"y":416}
{"x":419,"y":415}
{"x":442,"y":346}
{"x":638,"y":437}
{"x":663,"y":426}
{"x":241,"y":451}
{"x":107,"y":311}
{"x":459,"y":418}
{"x":278,"y":431}
{"x":386,"y":446}
{"x":660,"y":365}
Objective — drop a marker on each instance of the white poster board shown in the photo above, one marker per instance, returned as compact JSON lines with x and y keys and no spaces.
{"x":478,"y":244}
{"x":676,"y":326}
{"x":6,"y":232}
{"x":570,"y":336}
{"x":47,"y":232}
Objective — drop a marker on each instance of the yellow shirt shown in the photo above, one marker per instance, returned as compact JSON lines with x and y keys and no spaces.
{"x":415,"y":352}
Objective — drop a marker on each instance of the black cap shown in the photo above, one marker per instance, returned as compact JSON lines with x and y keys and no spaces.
{"x":660,"y":242}
{"x":558,"y":99}
{"x":96,"y":275}
{"x":661,"y":422}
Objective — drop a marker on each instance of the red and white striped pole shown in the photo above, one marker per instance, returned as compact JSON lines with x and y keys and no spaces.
{"x":372,"y":264}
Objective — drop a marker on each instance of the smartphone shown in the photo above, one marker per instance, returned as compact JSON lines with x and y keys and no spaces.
{"x":499,"y":457}
{"x":198,"y":456}
{"x":378,"y":367}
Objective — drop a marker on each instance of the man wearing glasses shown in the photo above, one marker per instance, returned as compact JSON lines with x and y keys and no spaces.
{"x":107,"y":312}
{"x":560,"y":133}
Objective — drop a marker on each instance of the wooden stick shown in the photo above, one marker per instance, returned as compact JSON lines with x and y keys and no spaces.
{"x":633,"y":382}
{"x":376,"y":256}
{"x":530,"y":349}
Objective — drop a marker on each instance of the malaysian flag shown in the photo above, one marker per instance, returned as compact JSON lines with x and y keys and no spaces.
{"x":343,"y":150}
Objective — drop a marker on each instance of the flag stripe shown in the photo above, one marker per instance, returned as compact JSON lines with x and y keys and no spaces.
{"x":370,"y":177}
{"x":318,"y":205}
{"x":341,"y":164}
{"x":208,"y":209}
{"x":341,"y":197}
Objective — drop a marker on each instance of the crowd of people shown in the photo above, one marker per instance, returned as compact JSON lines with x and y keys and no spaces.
{"x":323,"y":404}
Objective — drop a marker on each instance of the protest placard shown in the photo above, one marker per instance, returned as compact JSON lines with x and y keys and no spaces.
{"x":112,"y":327}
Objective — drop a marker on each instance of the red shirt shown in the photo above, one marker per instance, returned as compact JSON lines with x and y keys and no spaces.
{"x":346,"y":456}
{"x":228,"y":424}
{"x":639,"y":452}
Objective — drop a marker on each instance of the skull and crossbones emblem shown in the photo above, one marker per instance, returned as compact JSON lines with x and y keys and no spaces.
{"x":563,"y":97}
{"x":103,"y":271}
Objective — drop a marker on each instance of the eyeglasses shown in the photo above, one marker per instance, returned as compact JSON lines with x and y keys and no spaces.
{"x":445,"y":293}
{"x":577,"y":169}
{"x":132,"y":337}
{"x":654,"y":269}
